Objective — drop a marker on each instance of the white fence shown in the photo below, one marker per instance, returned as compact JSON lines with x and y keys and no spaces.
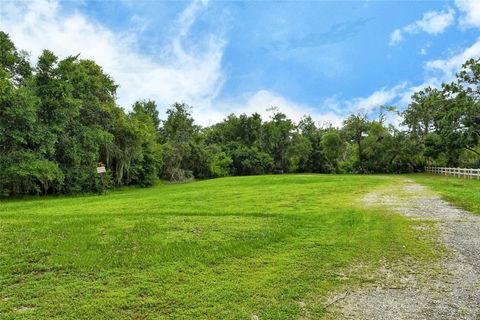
{"x":456,"y":172}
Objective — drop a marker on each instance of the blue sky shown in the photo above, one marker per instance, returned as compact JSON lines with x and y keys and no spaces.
{"x":324,"y":58}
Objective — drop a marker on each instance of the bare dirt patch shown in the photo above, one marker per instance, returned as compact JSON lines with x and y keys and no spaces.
{"x":449,"y":290}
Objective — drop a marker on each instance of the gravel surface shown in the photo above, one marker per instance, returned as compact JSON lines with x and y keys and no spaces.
{"x":452,"y":293}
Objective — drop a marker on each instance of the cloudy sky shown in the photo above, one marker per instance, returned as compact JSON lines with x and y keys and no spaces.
{"x":323,"y":58}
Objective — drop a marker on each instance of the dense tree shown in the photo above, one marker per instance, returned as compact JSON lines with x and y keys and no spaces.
{"x":146,"y":165}
{"x":14,"y":63}
{"x":313,"y":162}
{"x":333,"y":148}
{"x":356,"y":129}
{"x":177,"y":134}
{"x":277,"y":139}
{"x":447,"y":121}
{"x":298,"y":152}
{"x":23,"y":166}
{"x":149,"y":108}
{"x":59,"y":120}
{"x":249,"y":161}
{"x":465,"y":109}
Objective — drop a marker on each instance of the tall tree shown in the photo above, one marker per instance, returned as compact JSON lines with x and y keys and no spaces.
{"x":177,"y":133}
{"x":24,"y":167}
{"x":356,"y":129}
{"x":333,"y":149}
{"x":277,"y":138}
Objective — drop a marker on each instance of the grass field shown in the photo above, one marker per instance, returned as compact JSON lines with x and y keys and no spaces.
{"x":463,"y":193}
{"x":267,"y":247}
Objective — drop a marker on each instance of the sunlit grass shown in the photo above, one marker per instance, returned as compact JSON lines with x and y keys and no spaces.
{"x":272,"y":247}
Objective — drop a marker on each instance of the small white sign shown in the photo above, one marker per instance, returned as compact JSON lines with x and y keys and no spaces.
{"x":101,"y":170}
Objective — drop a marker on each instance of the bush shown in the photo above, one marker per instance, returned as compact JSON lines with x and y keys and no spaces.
{"x":24,"y":172}
{"x":251,"y":161}
{"x":220,"y":165}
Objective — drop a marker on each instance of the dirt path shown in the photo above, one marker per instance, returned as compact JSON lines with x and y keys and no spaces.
{"x":451,"y":292}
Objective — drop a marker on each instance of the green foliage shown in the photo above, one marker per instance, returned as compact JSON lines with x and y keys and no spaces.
{"x":178,"y":134}
{"x":146,"y":164}
{"x":298,"y":152}
{"x":250,"y":161}
{"x":220,"y":165}
{"x":447,"y":121}
{"x":277,"y":139}
{"x":59,"y":122}
{"x":25,"y":172}
{"x":314,"y":161}
{"x":18,"y":120}
{"x":148,"y":108}
{"x":14,"y":63}
{"x":333,"y":147}
{"x":355,"y":130}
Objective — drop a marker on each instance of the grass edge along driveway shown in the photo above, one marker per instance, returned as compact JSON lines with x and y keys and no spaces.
{"x":463,"y":193}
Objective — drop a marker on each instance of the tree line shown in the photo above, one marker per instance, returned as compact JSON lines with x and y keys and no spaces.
{"x":59,"y":121}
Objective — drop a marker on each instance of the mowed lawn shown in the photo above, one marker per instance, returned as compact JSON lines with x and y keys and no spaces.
{"x":262,"y":247}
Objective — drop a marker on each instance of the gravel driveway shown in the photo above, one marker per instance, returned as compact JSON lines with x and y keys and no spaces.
{"x":452,"y":293}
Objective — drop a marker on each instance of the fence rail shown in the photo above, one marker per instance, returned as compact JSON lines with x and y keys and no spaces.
{"x":456,"y":172}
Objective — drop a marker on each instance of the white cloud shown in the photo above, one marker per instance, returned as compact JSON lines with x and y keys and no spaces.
{"x":378,"y":98}
{"x":192,"y":72}
{"x":436,"y":22}
{"x":338,"y":109}
{"x":259,"y":102}
{"x":405,"y":97}
{"x":432,"y":23}
{"x":438,"y":71}
{"x":369,"y":105}
{"x":181,"y":71}
{"x":447,"y":68}
{"x":396,"y":37}
{"x":174,"y":74}
{"x":471,"y":12}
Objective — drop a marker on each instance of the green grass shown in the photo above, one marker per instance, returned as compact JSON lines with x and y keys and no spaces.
{"x":463,"y":193}
{"x":231,"y":248}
